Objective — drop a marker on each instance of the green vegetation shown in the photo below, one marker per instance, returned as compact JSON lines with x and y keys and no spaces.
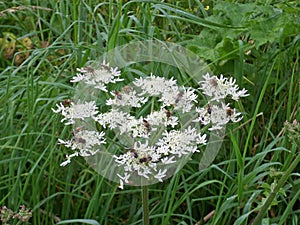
{"x":43,"y":42}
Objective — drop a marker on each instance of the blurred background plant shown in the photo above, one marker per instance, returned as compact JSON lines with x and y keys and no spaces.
{"x":22,"y":216}
{"x":43,"y":42}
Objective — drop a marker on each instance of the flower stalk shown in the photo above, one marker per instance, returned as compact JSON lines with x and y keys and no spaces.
{"x":145,"y":203}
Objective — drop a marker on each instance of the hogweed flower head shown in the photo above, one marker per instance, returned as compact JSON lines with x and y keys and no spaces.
{"x":76,"y":111}
{"x":146,"y":124}
{"x":219,"y":88}
{"x":99,"y":77}
{"x":83,"y":143}
{"x":217,"y":115}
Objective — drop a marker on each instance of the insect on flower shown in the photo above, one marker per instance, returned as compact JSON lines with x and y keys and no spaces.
{"x":76,"y":138}
{"x":77,"y":130}
{"x":89,"y":69}
{"x":106,"y":67}
{"x":127,"y":89}
{"x":209,"y":109}
{"x":214,"y":82}
{"x":67,"y":102}
{"x":118,"y":95}
{"x":179,"y":96}
{"x":147,"y":125}
{"x":229,"y":111}
{"x":145,"y":159}
{"x":79,"y":140}
{"x":169,"y":113}
{"x":134,"y":153}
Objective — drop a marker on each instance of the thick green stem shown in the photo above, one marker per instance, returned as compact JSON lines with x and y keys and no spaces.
{"x":281,"y":182}
{"x":145,"y":205}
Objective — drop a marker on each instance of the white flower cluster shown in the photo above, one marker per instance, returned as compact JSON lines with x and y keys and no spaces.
{"x":159,"y":138}
{"x":141,"y":127}
{"x":126,"y":97}
{"x":73,"y":111}
{"x":219,"y":88}
{"x":216,"y":113}
{"x":168,"y":92}
{"x":87,"y":143}
{"x":180,"y":143}
{"x":144,"y":160}
{"x":98,"y":78}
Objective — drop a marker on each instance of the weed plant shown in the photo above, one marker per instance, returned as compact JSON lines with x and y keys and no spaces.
{"x":43,"y":42}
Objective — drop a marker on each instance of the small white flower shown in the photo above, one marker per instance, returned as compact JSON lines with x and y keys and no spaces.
{"x":203,"y":116}
{"x":185,"y":99}
{"x":168,"y":160}
{"x":237,"y":94}
{"x":201,"y":139}
{"x":161,"y":174}
{"x":66,"y":162}
{"x":123,"y":179}
{"x":144,"y":171}
{"x":121,"y":184}
{"x":232,"y":114}
{"x":79,"y":77}
{"x":69,"y":159}
{"x":76,"y":111}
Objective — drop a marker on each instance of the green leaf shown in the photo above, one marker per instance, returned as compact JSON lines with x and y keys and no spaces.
{"x":86,"y":221}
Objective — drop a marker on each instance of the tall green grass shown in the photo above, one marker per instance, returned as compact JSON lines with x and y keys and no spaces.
{"x":68,"y":34}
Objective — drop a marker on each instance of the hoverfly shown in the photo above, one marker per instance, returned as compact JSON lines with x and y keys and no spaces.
{"x":229,"y":111}
{"x":77,"y":130}
{"x":169,"y":113}
{"x":145,"y":159}
{"x":67,"y":102}
{"x":118,"y":95}
{"x":134,"y":153}
{"x":179,"y":96}
{"x":214,"y":82}
{"x":147,"y":125}
{"x":209,"y":109}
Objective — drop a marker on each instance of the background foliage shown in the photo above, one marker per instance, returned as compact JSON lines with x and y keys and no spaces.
{"x":256,"y":42}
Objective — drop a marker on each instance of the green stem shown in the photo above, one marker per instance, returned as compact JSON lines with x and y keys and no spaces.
{"x":281,"y":182}
{"x":145,"y":205}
